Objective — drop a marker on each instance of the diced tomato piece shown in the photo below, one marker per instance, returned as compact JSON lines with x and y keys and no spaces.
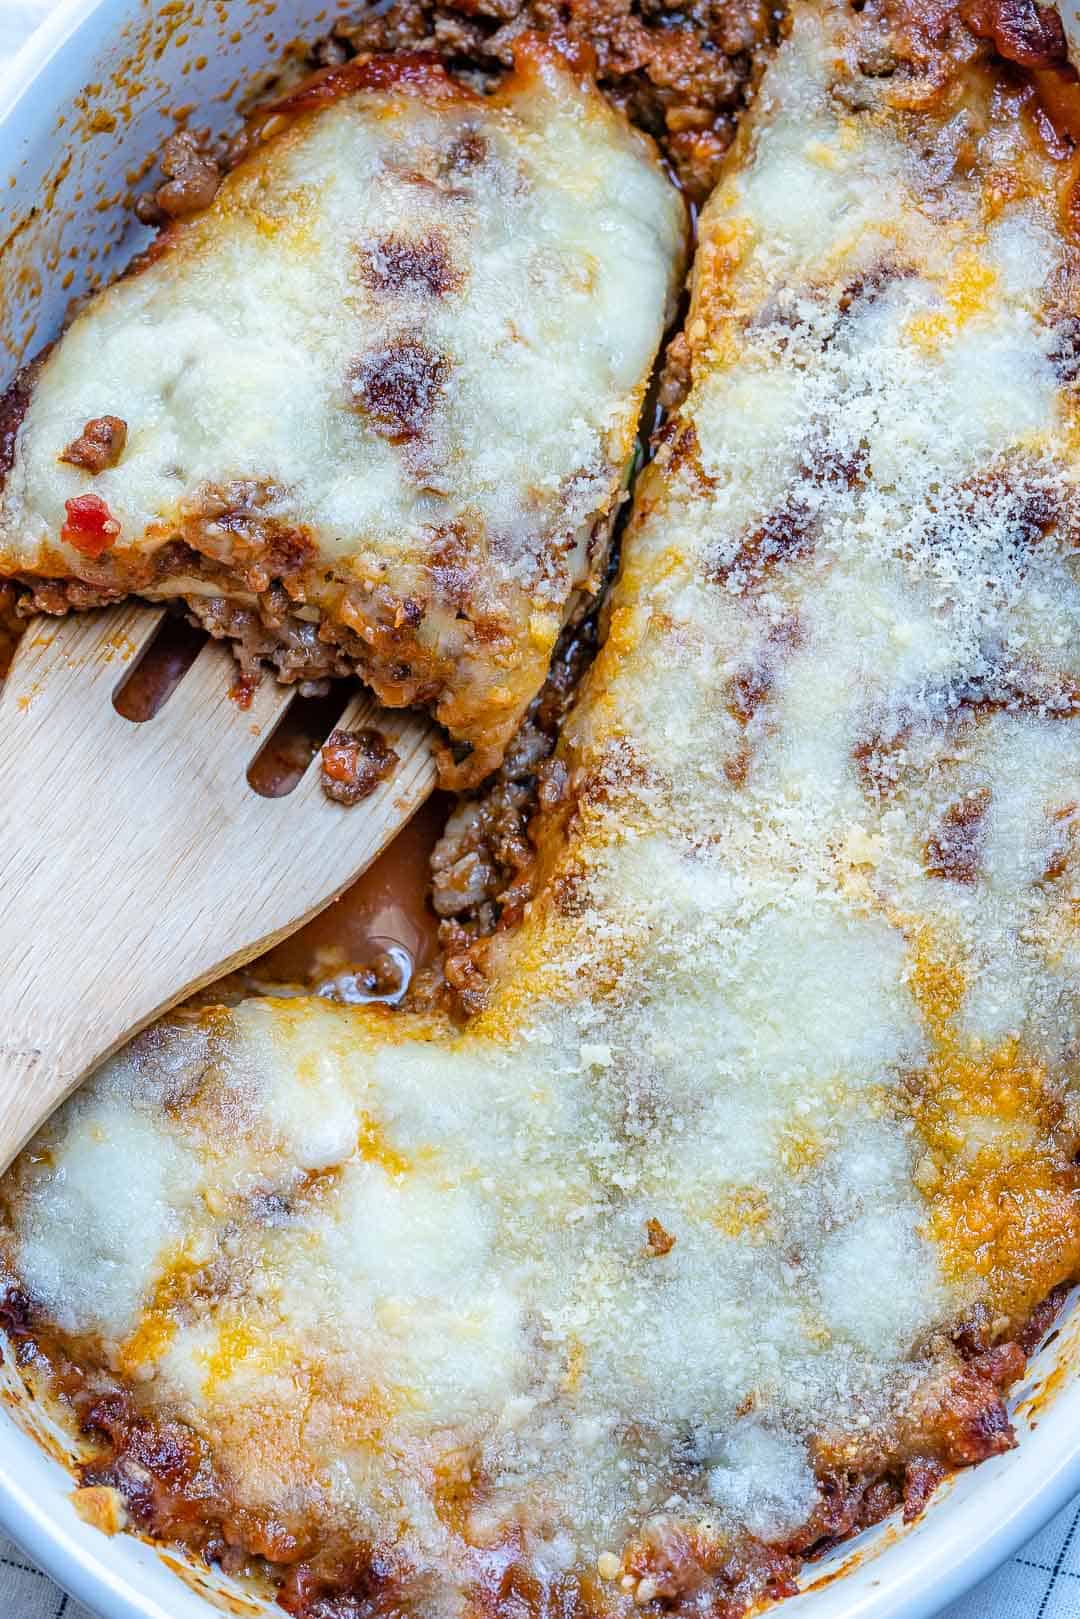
{"x":339,"y":760}
{"x":91,"y":527}
{"x":243,"y":690}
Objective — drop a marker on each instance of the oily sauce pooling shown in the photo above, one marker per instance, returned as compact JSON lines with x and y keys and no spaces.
{"x":381,"y":922}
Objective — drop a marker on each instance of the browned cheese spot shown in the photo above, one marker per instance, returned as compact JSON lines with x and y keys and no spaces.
{"x":867,"y":287}
{"x":99,"y":446}
{"x":1031,"y":510}
{"x":570,"y":894}
{"x":396,"y":387}
{"x":1065,"y":825}
{"x":1064,"y":355}
{"x":880,"y":755}
{"x":753,"y":680}
{"x":786,"y":535}
{"x":417,"y":266}
{"x":879,"y":758}
{"x":750,"y":687}
{"x":954,"y":850}
{"x":456,"y":571}
{"x":467,"y":152}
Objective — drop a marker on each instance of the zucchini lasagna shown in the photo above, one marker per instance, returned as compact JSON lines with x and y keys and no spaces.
{"x":371,"y":409}
{"x":723,"y":1227}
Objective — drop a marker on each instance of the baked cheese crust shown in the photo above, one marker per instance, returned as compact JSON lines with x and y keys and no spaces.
{"x":729,"y":1220}
{"x":381,"y":394}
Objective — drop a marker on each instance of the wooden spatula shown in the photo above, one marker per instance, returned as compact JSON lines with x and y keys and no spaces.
{"x":136,"y":863}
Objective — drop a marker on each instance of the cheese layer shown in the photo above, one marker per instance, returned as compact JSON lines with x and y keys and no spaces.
{"x":389,"y":378}
{"x":730,"y":1209}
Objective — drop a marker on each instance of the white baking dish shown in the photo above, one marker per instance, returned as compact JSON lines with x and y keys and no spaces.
{"x":89,"y":99}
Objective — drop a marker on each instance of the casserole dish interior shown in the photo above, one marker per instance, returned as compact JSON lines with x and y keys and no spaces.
{"x":89,"y":103}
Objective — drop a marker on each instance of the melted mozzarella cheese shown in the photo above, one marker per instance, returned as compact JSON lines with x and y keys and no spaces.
{"x":696,"y":1203}
{"x":398,"y":362}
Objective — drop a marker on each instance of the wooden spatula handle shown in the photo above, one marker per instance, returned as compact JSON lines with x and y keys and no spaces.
{"x":25,"y":1077}
{"x":55,"y":1025}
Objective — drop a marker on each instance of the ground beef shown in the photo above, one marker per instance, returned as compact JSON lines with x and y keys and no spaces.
{"x":192,"y":176}
{"x":675,"y":378}
{"x":682,"y":72}
{"x":485,"y":849}
{"x":271,"y":633}
{"x":99,"y":445}
{"x":59,"y":596}
{"x":354,"y":763}
{"x":482,"y":866}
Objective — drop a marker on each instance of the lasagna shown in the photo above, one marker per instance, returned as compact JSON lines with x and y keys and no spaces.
{"x":724,"y":1226}
{"x":370,"y":409}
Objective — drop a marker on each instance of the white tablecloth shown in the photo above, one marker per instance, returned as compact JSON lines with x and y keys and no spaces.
{"x":1041,"y":1582}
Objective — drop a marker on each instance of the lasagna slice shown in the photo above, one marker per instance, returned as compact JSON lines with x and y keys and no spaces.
{"x":724,"y":1228}
{"x":371,"y":409}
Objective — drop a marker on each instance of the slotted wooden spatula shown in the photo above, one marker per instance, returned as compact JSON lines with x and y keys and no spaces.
{"x":136,"y":863}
